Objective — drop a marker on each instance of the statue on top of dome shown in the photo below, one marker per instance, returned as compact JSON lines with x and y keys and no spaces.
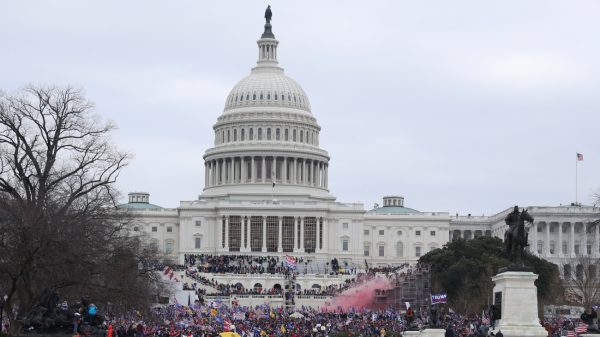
{"x":268,"y":14}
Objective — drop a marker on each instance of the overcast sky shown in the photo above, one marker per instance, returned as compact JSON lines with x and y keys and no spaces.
{"x":459,"y":106}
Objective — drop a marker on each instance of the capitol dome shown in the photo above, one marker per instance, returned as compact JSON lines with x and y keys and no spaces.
{"x":267,"y":140}
{"x":267,"y":87}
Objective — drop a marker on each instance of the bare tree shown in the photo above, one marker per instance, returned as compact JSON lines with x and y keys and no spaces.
{"x":582,"y":282}
{"x":59,"y":228}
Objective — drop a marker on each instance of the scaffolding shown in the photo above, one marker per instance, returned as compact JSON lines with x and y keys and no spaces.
{"x":289,"y":290}
{"x":413,"y":287}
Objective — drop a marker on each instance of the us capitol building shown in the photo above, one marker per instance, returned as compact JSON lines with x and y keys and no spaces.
{"x":266,"y":193}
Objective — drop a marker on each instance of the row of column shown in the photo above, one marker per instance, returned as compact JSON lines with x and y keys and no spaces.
{"x":468,"y":234}
{"x":287,"y":170}
{"x":298,"y":234}
{"x":558,"y":246}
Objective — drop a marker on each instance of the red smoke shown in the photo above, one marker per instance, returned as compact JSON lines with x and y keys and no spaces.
{"x":359,"y":296}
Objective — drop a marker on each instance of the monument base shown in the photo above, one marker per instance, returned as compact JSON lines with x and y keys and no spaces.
{"x":517,"y":294}
{"x":433,"y":332}
{"x":409,"y":333}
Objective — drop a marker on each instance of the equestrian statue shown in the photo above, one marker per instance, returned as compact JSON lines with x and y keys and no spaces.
{"x":515,"y":237}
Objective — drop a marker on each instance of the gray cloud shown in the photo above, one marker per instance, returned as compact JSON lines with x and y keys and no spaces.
{"x":461,"y":106}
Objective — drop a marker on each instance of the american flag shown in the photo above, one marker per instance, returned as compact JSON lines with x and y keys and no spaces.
{"x":570,"y":333}
{"x":579,"y":157}
{"x":227,"y":325}
{"x":581,"y":328}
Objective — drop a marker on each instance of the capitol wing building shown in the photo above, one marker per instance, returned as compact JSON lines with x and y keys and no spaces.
{"x":266,"y":193}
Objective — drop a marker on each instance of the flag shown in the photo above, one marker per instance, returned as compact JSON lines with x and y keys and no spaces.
{"x":227,"y":325}
{"x":579,"y":156}
{"x":581,"y":328}
{"x":570,"y":333}
{"x":290,"y":262}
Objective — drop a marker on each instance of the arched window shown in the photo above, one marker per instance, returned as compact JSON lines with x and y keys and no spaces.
{"x":286,"y":135}
{"x":275,"y":96}
{"x":241,"y":97}
{"x":268,"y":95}
{"x":254,"y":97}
{"x":294,"y":135}
{"x":399,"y":233}
{"x":261,"y":95}
{"x":235,"y":135}
{"x":228,"y":136}
{"x":301,"y":136}
{"x":268,"y":133}
{"x":247,"y":97}
{"x":277,"y":134}
{"x":243,"y":134}
{"x":259,"y":133}
{"x":399,"y":249}
{"x":567,"y":271}
{"x":251,"y":135}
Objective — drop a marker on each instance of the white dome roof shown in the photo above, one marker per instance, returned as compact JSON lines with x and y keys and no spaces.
{"x":267,"y":87}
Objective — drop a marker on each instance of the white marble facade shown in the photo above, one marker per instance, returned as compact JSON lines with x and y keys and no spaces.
{"x":266,"y":193}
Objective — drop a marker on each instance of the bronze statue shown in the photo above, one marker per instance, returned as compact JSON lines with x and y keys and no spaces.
{"x":515,"y":237}
{"x":268,"y":14}
{"x":433,"y":321}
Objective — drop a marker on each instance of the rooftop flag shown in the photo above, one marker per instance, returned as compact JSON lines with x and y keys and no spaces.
{"x":579,"y":156}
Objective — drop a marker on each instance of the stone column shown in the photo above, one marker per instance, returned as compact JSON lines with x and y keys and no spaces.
{"x":560,"y":240}
{"x":232,"y":170}
{"x":547,"y":247}
{"x":284,"y":179}
{"x":314,"y":173}
{"x":227,"y":233}
{"x":264,"y":168}
{"x":326,"y":235}
{"x":249,"y":234}
{"x":222,"y":171}
{"x":242,"y":170}
{"x":295,"y":172}
{"x":217,"y":171}
{"x":533,"y":235}
{"x":280,"y":236}
{"x":326,"y":176}
{"x":205,"y":174}
{"x":572,"y":239}
{"x":252,"y":170}
{"x":264,"y":234}
{"x":317,"y":247}
{"x":304,"y":176}
{"x":302,"y":235}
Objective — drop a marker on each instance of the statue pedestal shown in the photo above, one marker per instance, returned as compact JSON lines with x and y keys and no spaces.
{"x":517,"y":294}
{"x":433,"y":332}
{"x":408,"y":333}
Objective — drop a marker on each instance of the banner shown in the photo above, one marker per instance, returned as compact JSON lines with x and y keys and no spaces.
{"x":290,"y":262}
{"x":439,"y":298}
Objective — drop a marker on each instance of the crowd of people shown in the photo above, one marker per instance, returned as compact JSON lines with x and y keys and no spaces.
{"x":248,"y":264}
{"x":263,"y":321}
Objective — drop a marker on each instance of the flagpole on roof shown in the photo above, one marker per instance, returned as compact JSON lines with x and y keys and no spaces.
{"x":576,"y":183}
{"x":578,"y":158}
